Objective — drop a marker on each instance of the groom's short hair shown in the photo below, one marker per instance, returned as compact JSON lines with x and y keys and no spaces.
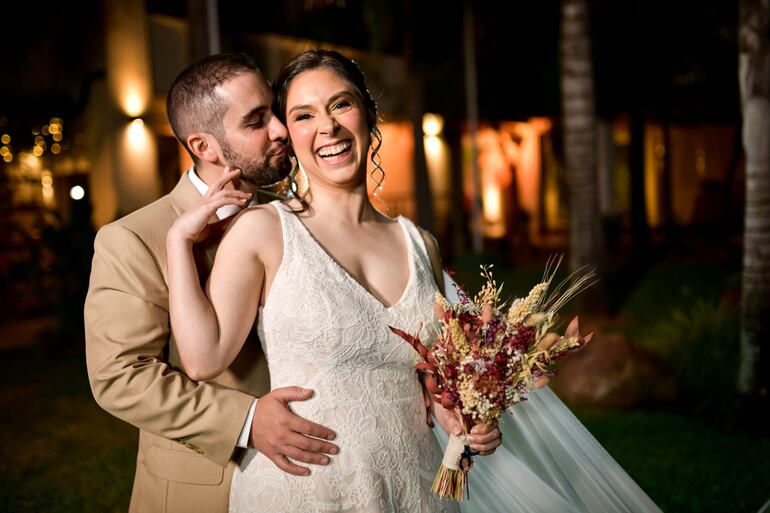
{"x":192,"y":103}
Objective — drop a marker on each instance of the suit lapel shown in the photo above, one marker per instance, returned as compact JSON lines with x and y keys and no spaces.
{"x":184,"y":196}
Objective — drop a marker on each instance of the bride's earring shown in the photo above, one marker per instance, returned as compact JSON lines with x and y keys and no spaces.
{"x":301,"y":180}
{"x":377,"y":174}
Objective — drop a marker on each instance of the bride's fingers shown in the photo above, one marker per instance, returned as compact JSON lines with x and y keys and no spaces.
{"x":227,"y":176}
{"x":484,"y":438}
{"x":229,"y":193}
{"x":216,"y":203}
{"x":485,"y":441}
{"x":485,"y":449}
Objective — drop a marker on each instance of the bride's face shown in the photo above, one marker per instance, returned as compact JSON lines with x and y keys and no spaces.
{"x":328,"y":129}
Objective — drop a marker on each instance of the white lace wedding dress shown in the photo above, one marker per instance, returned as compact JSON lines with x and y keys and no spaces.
{"x":320,"y":329}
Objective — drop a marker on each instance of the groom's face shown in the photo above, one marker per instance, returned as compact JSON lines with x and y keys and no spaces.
{"x":255,"y":141}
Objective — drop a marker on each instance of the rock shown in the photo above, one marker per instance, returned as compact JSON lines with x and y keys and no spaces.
{"x":612,"y":371}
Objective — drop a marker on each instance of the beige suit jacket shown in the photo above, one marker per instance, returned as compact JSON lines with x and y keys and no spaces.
{"x":188,"y":430}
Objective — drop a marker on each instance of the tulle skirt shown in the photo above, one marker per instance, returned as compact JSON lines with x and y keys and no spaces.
{"x":549,"y":463}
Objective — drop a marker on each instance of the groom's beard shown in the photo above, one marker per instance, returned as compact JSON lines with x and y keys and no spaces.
{"x":259,"y":173}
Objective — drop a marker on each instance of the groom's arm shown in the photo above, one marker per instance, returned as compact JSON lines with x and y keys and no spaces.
{"x":127,"y":333}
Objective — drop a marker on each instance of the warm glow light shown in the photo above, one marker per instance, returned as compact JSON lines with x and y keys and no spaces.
{"x":6,"y":139}
{"x":77,"y":193}
{"x":492,"y":204}
{"x":137,"y":134}
{"x":39,"y":140}
{"x":493,"y":212}
{"x":132,"y":104}
{"x":432,"y":124}
{"x":56,"y":148}
{"x":57,"y":136}
{"x":45,"y":130}
{"x":700,"y":161}
{"x":4,"y":151}
{"x":46,"y":179}
{"x":432,"y":146}
{"x":37,"y":151}
{"x":8,"y":158}
{"x":54,"y":128}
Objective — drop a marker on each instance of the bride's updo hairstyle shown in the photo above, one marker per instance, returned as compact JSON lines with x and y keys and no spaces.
{"x":349,"y":71}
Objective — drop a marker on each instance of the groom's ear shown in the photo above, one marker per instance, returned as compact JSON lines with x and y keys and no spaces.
{"x":204,"y":146}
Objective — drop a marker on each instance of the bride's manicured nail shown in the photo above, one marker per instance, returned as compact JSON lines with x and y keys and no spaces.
{"x":324,"y":461}
{"x":334,"y":450}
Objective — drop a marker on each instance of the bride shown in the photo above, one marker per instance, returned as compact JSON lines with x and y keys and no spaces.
{"x":323,"y":275}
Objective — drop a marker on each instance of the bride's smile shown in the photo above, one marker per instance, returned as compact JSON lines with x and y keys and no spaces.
{"x":328,"y":128}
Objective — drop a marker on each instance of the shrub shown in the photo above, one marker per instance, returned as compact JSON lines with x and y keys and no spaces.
{"x":700,"y":342}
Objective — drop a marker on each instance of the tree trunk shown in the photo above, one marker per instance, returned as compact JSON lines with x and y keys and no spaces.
{"x":422,"y":188}
{"x":639,"y":227}
{"x":754,"y":78}
{"x":580,"y":145}
{"x":416,"y":105}
{"x":472,"y":106}
{"x":204,"y":28}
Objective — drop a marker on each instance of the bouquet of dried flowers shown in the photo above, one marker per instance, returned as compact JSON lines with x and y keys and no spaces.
{"x":488,"y":354}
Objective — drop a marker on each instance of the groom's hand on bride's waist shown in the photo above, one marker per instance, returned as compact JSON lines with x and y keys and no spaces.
{"x":280,"y":435}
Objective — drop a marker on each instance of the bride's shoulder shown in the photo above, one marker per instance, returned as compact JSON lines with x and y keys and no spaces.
{"x":255,"y":222}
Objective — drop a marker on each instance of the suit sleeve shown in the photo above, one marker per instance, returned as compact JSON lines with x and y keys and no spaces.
{"x":127,"y":335}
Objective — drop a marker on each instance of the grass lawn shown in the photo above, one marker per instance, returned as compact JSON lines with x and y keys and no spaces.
{"x":683,"y":463}
{"x":62,"y":453}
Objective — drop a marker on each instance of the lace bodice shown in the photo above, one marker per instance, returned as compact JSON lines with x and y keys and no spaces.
{"x":321,"y":329}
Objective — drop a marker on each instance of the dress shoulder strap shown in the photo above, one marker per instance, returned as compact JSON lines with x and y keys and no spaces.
{"x":289,"y":229}
{"x":421,"y":255}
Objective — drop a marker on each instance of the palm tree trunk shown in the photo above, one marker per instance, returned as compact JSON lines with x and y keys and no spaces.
{"x":204,"y":28}
{"x":580,"y":145}
{"x":416,"y":105}
{"x":472,"y":106}
{"x":754,"y":78}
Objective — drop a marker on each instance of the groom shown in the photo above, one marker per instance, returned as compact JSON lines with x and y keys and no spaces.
{"x":220,"y":110}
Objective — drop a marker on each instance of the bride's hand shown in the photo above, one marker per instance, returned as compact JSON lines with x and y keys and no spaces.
{"x":483,"y":438}
{"x":193,"y":226}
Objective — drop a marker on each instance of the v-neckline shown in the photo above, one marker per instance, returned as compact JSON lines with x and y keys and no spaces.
{"x":352,"y":278}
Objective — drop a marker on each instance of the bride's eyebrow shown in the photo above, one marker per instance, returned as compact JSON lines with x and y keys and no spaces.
{"x":332,"y":99}
{"x":339,"y":95}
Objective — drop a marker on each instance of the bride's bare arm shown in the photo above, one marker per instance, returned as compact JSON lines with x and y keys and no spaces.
{"x":210,"y":328}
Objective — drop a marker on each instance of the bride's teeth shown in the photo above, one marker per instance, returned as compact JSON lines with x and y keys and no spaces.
{"x":331,"y":151}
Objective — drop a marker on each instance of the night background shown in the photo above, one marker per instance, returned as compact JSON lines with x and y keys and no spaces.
{"x":653,"y":126}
